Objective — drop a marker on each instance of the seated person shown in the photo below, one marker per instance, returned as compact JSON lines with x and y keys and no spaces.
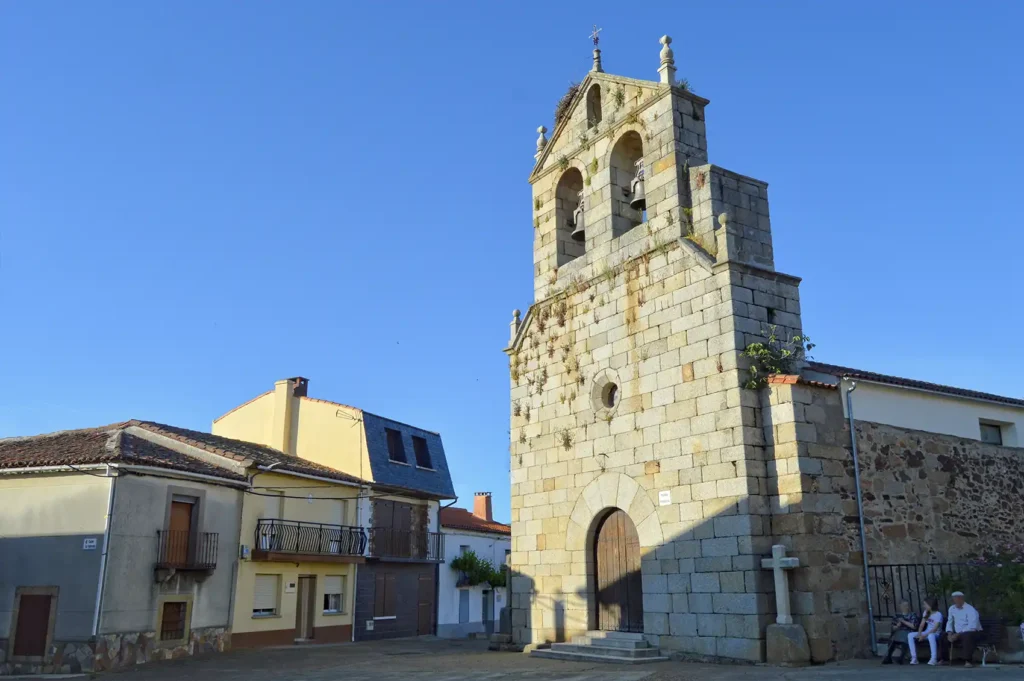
{"x":930,"y":628}
{"x":903,"y":624}
{"x":964,"y":625}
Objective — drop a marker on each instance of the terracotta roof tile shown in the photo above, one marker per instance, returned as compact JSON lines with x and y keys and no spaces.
{"x":461,"y":519}
{"x":105,"y":444}
{"x":240,"y":450}
{"x":836,"y":370}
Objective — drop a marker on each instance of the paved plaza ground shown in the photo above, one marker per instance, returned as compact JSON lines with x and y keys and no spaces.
{"x":431,"y":659}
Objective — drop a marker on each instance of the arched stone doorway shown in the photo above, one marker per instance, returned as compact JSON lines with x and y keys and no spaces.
{"x":618,"y":583}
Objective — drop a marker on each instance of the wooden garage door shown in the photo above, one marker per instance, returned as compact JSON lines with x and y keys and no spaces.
{"x":617,"y":567}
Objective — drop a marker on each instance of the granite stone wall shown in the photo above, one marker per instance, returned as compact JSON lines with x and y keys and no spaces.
{"x":117,"y":651}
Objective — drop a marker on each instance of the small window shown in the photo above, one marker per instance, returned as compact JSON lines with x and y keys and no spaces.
{"x":172,"y":621}
{"x":991,"y":433}
{"x":264,"y":600}
{"x":334,"y":594}
{"x":593,"y":106}
{"x":419,"y":447}
{"x":396,"y":450}
{"x":508,"y":556}
{"x":463,"y":549}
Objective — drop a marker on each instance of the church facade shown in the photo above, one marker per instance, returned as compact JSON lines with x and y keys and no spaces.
{"x":648,"y":481}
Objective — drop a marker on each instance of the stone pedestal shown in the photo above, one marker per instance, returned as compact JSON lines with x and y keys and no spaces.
{"x":787,"y":645}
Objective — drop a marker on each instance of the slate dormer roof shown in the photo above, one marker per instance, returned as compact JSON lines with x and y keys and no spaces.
{"x":434,"y":481}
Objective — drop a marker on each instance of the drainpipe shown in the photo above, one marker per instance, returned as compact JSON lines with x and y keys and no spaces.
{"x":103,"y":557}
{"x":860,"y":513}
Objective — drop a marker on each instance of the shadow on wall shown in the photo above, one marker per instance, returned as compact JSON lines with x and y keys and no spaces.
{"x":700,"y":591}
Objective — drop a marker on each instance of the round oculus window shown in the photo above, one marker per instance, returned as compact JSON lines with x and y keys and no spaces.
{"x":610,"y":395}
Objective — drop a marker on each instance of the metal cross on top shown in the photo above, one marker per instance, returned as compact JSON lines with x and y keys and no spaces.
{"x":594,"y":35}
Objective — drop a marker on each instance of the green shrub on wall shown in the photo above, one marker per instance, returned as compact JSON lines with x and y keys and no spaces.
{"x":478,"y":570}
{"x":993,"y":582}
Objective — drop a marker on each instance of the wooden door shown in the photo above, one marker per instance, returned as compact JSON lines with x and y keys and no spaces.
{"x":33,"y":625}
{"x":179,"y":533}
{"x":305,"y":605}
{"x":425,"y":605}
{"x":617,"y":570}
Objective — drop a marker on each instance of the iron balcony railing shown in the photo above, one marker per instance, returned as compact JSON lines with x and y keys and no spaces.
{"x":292,"y":536}
{"x":387,"y":542}
{"x":911,"y":582}
{"x":184,"y":550}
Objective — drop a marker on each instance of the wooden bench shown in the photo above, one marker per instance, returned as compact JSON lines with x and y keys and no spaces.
{"x":993,"y":631}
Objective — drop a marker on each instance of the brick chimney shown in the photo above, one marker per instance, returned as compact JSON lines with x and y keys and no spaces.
{"x":482,"y":506}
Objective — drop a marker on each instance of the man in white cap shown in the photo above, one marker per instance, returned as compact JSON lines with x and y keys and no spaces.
{"x":964,"y":625}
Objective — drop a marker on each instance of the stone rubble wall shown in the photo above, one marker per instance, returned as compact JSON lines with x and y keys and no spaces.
{"x":117,"y":651}
{"x":927,"y":498}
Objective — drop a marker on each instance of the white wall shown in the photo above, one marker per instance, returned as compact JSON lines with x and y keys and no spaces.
{"x":933,"y":412}
{"x":488,"y":546}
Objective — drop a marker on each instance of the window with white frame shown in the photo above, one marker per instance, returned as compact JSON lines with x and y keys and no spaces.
{"x":334,"y":594}
{"x":264,"y":598}
{"x":991,"y":433}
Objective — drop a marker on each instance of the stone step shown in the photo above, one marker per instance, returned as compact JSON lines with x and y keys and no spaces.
{"x":589,"y":657}
{"x":618,"y":635}
{"x":625,"y":643}
{"x":606,"y":651}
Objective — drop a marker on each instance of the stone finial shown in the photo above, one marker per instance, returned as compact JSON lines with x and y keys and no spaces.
{"x":723,"y":220}
{"x":597,"y":62}
{"x":514,"y":325}
{"x":667,"y":70}
{"x":542,"y":141}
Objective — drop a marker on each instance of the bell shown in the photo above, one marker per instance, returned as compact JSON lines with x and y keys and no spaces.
{"x":639,"y":198}
{"x":578,"y":234}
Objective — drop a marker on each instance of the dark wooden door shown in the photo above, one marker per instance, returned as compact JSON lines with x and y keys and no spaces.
{"x":617,"y":567}
{"x":33,"y":624}
{"x":425,"y":607}
{"x":179,"y":534}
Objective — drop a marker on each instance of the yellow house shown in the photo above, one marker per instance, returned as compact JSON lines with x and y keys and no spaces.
{"x":405,"y":474}
{"x":300,"y":550}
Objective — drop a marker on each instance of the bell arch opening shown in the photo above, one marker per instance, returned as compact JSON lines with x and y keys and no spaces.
{"x":629,"y":207}
{"x":569,"y":216}
{"x":593,"y":106}
{"x":614,"y":576}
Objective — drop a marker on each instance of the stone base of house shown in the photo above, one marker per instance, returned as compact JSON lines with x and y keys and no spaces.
{"x":115,"y":651}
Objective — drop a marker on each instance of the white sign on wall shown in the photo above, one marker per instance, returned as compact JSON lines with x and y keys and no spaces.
{"x":369,"y":625}
{"x":89,"y":544}
{"x":289,"y":588}
{"x":664,"y":497}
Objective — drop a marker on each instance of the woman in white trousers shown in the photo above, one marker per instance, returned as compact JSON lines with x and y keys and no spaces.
{"x":931,"y":628}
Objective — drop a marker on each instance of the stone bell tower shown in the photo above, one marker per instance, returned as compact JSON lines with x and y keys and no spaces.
{"x":653,"y":270}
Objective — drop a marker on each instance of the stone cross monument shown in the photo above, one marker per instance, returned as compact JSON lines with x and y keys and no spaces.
{"x":786,"y":642}
{"x":779,"y":563}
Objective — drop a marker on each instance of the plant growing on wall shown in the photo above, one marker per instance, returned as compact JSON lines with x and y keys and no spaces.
{"x":563,"y":163}
{"x":566,"y":438}
{"x":775,"y":356}
{"x":992,"y":580}
{"x":476,"y":570}
{"x":619,"y":97}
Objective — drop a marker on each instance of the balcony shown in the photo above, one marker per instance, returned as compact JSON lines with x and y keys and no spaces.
{"x":292,"y":540}
{"x":184,"y":551}
{"x":405,"y":545}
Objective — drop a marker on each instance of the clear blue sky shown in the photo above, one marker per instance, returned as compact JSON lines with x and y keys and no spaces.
{"x":198,"y":198}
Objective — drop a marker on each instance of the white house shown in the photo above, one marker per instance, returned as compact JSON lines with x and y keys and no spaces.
{"x":465,"y":610}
